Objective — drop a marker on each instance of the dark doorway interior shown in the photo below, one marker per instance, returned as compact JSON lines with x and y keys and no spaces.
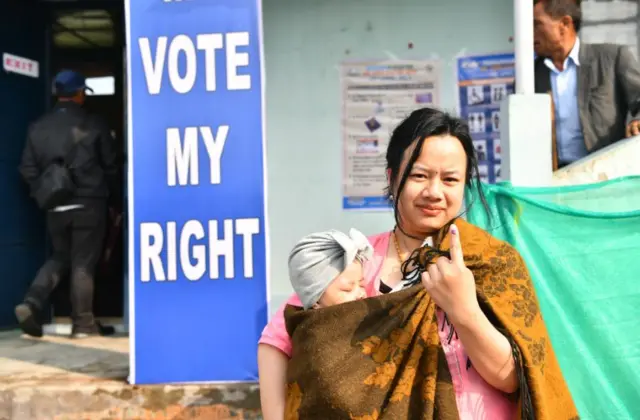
{"x":89,"y":37}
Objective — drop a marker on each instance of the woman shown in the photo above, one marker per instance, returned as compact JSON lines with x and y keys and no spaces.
{"x":430,"y":161}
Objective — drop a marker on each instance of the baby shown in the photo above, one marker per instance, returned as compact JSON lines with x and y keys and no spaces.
{"x":326,"y":268}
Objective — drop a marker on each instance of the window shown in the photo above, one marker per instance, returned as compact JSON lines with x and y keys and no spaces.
{"x":102,"y":86}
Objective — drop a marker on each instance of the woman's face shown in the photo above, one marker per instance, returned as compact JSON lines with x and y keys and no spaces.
{"x":433,"y":193}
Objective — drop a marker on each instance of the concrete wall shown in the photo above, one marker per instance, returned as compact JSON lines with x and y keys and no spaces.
{"x":304,"y":43}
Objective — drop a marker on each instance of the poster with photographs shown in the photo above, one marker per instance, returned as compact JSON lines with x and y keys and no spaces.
{"x":376,"y":97}
{"x":483,"y":82}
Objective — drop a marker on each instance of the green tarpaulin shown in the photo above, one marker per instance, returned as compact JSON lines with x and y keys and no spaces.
{"x":582,"y":247}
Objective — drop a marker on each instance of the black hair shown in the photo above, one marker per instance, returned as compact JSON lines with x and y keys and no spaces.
{"x":559,"y":8}
{"x":420,"y":124}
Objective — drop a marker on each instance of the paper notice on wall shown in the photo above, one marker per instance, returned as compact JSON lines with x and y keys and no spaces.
{"x":376,"y":97}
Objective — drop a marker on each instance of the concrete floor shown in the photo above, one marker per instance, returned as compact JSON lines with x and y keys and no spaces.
{"x":59,"y":378}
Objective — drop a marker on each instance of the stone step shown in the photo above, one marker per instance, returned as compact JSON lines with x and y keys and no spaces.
{"x":59,"y":378}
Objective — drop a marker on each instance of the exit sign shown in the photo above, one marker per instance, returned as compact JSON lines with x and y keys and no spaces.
{"x":20,"y":65}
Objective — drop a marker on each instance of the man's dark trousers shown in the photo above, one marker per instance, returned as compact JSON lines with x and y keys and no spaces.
{"x":77,"y":237}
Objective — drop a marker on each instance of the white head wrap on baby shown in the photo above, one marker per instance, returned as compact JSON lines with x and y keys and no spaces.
{"x":319,"y":258}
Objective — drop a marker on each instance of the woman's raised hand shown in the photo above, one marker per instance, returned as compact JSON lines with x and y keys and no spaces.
{"x":451,"y":284}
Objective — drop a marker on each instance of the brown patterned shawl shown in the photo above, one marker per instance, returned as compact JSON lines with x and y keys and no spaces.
{"x":381,"y":358}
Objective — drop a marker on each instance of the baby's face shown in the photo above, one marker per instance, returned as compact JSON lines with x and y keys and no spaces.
{"x":347,"y":287}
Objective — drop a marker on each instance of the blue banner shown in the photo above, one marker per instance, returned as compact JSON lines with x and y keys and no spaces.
{"x":483,"y":82}
{"x":198,"y":252}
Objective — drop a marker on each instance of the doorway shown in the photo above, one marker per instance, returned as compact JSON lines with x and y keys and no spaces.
{"x":89,"y":38}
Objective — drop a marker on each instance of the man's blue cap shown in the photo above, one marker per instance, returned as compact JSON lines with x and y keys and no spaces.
{"x":69,"y":82}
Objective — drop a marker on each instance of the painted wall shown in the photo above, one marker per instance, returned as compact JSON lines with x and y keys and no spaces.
{"x":304,"y":43}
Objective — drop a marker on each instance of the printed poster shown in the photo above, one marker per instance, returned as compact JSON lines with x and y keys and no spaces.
{"x":377,"y":96}
{"x":483,"y":82}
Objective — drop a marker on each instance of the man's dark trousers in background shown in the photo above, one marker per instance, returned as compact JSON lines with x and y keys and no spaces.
{"x":77,"y":236}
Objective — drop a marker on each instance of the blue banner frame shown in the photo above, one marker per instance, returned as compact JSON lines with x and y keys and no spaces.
{"x":198,"y":252}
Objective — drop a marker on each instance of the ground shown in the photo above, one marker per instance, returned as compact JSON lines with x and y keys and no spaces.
{"x":59,"y":378}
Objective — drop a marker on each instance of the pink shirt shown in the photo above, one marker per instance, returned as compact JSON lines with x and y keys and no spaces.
{"x":476,"y":399}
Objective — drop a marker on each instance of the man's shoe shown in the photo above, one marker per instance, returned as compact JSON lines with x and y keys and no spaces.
{"x":98,"y":330}
{"x":27,"y":319}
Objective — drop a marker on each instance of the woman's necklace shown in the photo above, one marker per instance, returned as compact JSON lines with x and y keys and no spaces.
{"x":398,"y":249}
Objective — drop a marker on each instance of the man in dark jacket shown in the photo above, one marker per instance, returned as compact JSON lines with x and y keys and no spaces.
{"x":77,"y":227}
